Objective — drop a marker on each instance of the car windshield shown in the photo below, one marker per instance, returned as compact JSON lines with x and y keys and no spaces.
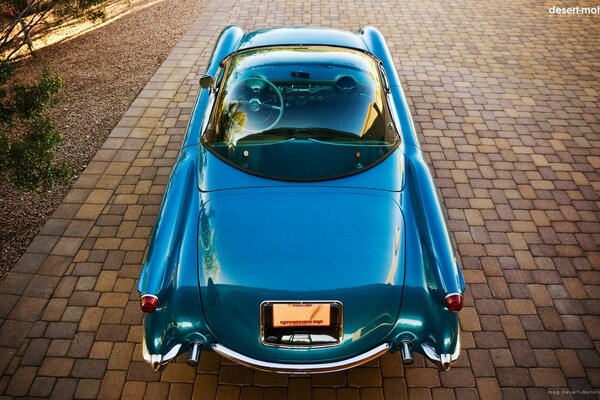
{"x":301,"y":113}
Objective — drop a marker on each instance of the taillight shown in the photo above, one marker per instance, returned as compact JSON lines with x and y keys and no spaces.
{"x":454,"y":302}
{"x":148,"y":303}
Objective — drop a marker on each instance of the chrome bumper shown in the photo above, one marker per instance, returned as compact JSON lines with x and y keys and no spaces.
{"x":158,"y":360}
{"x":443,"y":361}
{"x":300,"y":368}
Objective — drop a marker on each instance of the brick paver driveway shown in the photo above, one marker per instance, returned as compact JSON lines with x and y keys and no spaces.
{"x":506,"y":100}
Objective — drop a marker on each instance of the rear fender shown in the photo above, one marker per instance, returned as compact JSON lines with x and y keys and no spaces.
{"x":431,"y":224}
{"x":432,"y":271}
{"x":170,"y":271}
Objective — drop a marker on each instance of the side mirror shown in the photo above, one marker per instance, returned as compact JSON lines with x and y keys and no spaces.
{"x":206,"y":81}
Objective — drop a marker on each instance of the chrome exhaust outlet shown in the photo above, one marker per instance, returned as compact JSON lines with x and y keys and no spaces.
{"x":156,"y":361}
{"x":445,"y":361}
{"x":406,"y":352}
{"x":194,"y":353}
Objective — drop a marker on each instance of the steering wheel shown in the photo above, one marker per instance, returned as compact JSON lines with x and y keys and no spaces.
{"x":345,"y":85}
{"x":261,"y":102}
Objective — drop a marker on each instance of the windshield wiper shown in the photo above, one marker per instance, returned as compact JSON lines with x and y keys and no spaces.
{"x":325,"y":135}
{"x":278,"y":132}
{"x":316,"y":134}
{"x":272,"y":135}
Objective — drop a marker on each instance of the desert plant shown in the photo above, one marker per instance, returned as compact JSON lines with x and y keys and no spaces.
{"x":28,"y":138}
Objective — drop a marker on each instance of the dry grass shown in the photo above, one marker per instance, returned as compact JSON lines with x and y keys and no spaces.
{"x":103,"y":69}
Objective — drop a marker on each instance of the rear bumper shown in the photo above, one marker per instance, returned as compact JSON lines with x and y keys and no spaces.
{"x":443,"y":361}
{"x":301,"y":368}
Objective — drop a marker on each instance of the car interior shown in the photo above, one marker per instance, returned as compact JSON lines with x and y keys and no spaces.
{"x":295,"y":116}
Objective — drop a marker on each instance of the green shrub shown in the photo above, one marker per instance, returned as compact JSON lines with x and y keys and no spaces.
{"x":28,"y":138}
{"x":7,"y":70}
{"x":30,"y":101}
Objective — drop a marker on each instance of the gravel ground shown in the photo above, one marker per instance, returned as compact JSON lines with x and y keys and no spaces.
{"x":103,"y":71}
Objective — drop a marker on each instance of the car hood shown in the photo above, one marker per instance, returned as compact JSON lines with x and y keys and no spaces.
{"x":301,"y":36}
{"x":301,"y":244}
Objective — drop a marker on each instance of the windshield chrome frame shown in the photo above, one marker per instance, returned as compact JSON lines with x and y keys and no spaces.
{"x":386,"y":97}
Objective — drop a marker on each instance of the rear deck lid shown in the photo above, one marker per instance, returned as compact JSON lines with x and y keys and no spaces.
{"x":317,"y":244}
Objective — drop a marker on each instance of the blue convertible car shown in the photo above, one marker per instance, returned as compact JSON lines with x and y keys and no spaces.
{"x":301,"y":230}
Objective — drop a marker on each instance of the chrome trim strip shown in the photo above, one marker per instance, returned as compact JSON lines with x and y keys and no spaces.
{"x":171,"y":354}
{"x":148,"y":295}
{"x":145,"y":352}
{"x":301,"y":368}
{"x":452,"y":294}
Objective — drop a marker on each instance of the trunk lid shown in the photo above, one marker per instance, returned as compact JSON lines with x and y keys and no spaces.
{"x":299,"y":244}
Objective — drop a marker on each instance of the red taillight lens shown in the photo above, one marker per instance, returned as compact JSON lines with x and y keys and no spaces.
{"x":148,"y":303}
{"x":454,"y":302}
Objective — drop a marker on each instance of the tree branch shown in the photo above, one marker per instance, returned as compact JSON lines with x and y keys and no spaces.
{"x":10,"y":38}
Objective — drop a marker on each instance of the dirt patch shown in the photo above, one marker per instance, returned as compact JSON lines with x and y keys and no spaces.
{"x":103,"y":70}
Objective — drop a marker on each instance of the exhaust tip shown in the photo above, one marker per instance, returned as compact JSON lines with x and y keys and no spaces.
{"x":406,"y":352}
{"x":194,"y":353}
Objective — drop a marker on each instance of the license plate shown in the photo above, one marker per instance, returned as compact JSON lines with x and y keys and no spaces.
{"x":287,"y":315}
{"x":301,"y":323}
